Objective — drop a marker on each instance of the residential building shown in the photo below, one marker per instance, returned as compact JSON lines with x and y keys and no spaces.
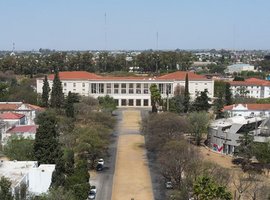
{"x":25,"y":131}
{"x":13,"y":119}
{"x":130,"y":90}
{"x":224,"y":134}
{"x":247,"y":110}
{"x":27,"y":174}
{"x":239,"y":67}
{"x":252,"y":87}
{"x":30,"y":111}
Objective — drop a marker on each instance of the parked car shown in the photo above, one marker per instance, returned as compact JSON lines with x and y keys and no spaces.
{"x":91,"y":195}
{"x":168,"y":185}
{"x":99,"y":167}
{"x":93,"y":188}
{"x":101,"y":161}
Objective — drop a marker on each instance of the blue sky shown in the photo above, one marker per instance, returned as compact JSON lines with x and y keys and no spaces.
{"x":184,"y":24}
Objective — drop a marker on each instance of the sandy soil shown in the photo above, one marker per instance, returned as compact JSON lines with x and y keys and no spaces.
{"x":132,"y":176}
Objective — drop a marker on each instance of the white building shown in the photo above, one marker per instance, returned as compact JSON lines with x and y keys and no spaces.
{"x":26,"y":174}
{"x":130,"y":90}
{"x":24,"y":131}
{"x":30,"y":111}
{"x":13,"y":119}
{"x":252,"y":87}
{"x":248,"y":110}
{"x":239,"y":67}
{"x":224,"y":134}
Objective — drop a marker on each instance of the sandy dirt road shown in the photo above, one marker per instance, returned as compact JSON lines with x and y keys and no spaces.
{"x":132,"y":176}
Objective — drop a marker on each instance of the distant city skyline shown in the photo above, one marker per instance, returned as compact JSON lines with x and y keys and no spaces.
{"x":134,"y":25}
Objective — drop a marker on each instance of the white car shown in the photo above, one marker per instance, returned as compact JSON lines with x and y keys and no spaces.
{"x":93,"y":189}
{"x":101,"y":161}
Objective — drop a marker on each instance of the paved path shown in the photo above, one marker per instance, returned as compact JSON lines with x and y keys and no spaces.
{"x":132,"y":177}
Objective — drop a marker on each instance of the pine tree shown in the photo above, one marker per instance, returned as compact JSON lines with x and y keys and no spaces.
{"x":45,"y":92}
{"x":69,"y":105}
{"x":5,"y":189}
{"x":46,"y":147}
{"x":228,"y":94}
{"x":57,"y":95}
{"x":218,"y":105}
{"x":186,"y":95}
{"x":201,"y":103}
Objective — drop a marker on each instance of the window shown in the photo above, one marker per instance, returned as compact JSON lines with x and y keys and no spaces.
{"x":145,"y":88}
{"x":196,"y":83}
{"x":83,"y":84}
{"x":205,"y":83}
{"x":138,"y":102}
{"x":93,"y":88}
{"x":169,"y":88}
{"x":123,"y":88}
{"x":145,"y":102}
{"x":83,"y":89}
{"x":65,"y":84}
{"x":101,"y":88}
{"x":123,"y":102}
{"x":74,"y":84}
{"x":116,"y":101}
{"x":131,"y":88}
{"x":130,"y":102}
{"x":109,"y":88}
{"x":138,"y":88}
{"x":161,"y":88}
{"x":116,"y":88}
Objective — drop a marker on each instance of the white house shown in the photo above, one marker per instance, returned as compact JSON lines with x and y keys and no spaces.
{"x":13,"y":119}
{"x":129,"y":90}
{"x":239,"y":67}
{"x":252,"y":87}
{"x":25,"y":131}
{"x":248,"y":110}
{"x":30,"y":111}
{"x":36,"y":180}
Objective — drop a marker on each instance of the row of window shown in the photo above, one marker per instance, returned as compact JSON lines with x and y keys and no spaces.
{"x":132,"y":102}
{"x":74,"y":84}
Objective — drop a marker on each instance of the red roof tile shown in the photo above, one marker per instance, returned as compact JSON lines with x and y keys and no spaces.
{"x":75,"y":75}
{"x":249,"y":106}
{"x":83,"y":75}
{"x":23,"y":129}
{"x":9,"y":106}
{"x":251,"y":81}
{"x":181,"y":75}
{"x":10,"y":115}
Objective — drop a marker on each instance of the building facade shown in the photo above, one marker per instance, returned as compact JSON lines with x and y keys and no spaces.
{"x":224,"y":134}
{"x":131,"y":90}
{"x":247,"y":110}
{"x":252,"y":87}
{"x":239,"y":67}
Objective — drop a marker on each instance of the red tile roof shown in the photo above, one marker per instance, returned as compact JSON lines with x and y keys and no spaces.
{"x":251,"y":81}
{"x":10,"y":115}
{"x":14,"y":106}
{"x":23,"y":129}
{"x":75,"y":75}
{"x":249,"y":106}
{"x":83,"y":75}
{"x":181,"y":75}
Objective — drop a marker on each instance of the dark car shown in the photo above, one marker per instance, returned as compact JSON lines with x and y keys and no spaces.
{"x":92,"y":195}
{"x":99,"y":167}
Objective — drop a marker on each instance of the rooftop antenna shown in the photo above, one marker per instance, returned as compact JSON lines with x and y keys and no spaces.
{"x":13,"y":47}
{"x":105,"y":37}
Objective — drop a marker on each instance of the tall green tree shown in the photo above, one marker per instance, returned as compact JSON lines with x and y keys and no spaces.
{"x":45,"y":92}
{"x":155,"y":97}
{"x":201,"y":103}
{"x":5,"y":189}
{"x":69,"y":105}
{"x":228,"y":94}
{"x":57,"y":95}
{"x":186,"y":95}
{"x":218,"y":106}
{"x":46,"y":146}
{"x":107,"y":103}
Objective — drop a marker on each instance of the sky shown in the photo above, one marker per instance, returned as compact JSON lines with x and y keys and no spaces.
{"x":134,"y":24}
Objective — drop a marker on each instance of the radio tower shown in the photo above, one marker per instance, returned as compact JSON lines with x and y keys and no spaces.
{"x":105,"y":36}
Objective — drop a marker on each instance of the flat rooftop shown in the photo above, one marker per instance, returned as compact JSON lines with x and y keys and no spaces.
{"x":15,"y":170}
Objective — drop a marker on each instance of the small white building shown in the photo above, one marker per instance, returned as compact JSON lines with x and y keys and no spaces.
{"x":13,"y":119}
{"x":239,"y":67}
{"x":247,"y":110}
{"x":26,"y":174}
{"x":24,"y":131}
{"x":252,"y":87}
{"x":130,"y":90}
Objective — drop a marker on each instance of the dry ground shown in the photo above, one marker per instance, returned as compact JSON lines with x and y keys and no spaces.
{"x":132,"y":176}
